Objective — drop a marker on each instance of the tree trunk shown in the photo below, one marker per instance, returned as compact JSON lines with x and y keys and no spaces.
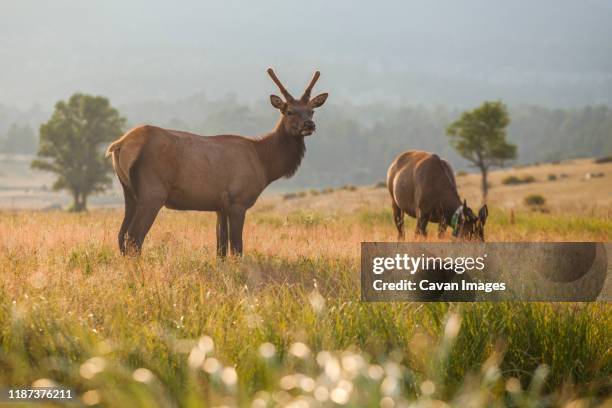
{"x":83,"y":202}
{"x":75,"y":202}
{"x":79,"y":202}
{"x":485,"y":184}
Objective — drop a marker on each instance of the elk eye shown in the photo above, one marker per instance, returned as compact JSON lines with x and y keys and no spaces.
{"x":289,"y":113}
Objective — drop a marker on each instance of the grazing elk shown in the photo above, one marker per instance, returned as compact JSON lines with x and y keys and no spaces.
{"x":422,"y":185}
{"x":226,"y":173}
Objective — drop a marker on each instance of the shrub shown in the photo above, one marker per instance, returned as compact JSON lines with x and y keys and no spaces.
{"x":589,"y":176}
{"x":535,"y":200}
{"x":348,"y":187}
{"x":380,"y":184}
{"x":511,"y":180}
{"x":514,"y":180}
{"x":604,"y":159}
{"x":552,"y":177}
{"x":289,"y":196}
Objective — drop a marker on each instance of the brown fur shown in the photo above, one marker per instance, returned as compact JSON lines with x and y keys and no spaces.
{"x":226,"y":173}
{"x":423,"y":185}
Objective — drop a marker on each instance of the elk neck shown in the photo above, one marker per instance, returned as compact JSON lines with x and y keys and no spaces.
{"x":280,"y":152}
{"x":451,"y":200}
{"x":450,"y":206}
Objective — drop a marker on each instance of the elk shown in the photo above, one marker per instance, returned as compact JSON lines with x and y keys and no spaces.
{"x":423,"y":185}
{"x":225,"y":173}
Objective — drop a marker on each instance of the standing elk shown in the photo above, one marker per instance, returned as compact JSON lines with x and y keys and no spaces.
{"x":226,"y":173}
{"x":423,"y":185}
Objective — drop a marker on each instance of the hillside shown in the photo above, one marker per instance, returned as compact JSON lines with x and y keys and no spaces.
{"x":571,"y":192}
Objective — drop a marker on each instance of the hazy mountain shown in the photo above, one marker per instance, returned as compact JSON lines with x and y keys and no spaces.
{"x":457,"y":53}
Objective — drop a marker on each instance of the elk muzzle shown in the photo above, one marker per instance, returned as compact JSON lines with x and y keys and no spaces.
{"x":308,"y":128}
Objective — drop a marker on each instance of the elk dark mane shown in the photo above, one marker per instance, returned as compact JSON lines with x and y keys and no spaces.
{"x":293,"y":148}
{"x":296,"y":149}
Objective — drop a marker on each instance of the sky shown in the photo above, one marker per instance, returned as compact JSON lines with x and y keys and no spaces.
{"x":455,"y":53}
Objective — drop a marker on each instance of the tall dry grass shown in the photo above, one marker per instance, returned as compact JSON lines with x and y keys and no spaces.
{"x":285,"y":322}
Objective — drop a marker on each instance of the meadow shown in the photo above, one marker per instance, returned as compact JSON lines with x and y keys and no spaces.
{"x":177,"y":327}
{"x":284,"y":325}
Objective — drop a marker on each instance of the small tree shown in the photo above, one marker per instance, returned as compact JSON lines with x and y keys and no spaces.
{"x":70,"y":146}
{"x":480,"y":137}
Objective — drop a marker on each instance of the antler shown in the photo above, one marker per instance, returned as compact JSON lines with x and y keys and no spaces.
{"x":278,"y":83}
{"x":313,"y":81}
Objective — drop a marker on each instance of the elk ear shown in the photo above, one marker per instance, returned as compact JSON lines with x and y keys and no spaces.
{"x":483,"y":214}
{"x":319,"y":100}
{"x":277,"y":102}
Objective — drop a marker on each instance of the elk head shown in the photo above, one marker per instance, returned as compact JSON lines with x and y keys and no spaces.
{"x":469,"y":226}
{"x":297,"y":113}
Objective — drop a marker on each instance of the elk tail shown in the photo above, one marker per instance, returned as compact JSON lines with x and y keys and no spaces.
{"x":113,"y":146}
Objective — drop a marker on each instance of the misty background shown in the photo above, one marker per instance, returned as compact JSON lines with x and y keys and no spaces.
{"x":398,"y":72}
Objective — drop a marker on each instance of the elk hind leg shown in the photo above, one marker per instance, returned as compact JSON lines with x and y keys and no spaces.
{"x":222,"y":233}
{"x":141,"y":224}
{"x":421,"y":225}
{"x":398,"y":218}
{"x":151,"y":198}
{"x":130,"y":210}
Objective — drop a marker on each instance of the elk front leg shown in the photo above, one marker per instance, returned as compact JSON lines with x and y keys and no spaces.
{"x":222,"y":235}
{"x":236,"y":223}
{"x":398,"y":218}
{"x":441,"y":229}
{"x":441,"y":224}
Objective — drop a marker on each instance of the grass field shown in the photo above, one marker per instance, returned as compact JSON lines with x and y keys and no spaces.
{"x":284,"y":325}
{"x":75,"y":312}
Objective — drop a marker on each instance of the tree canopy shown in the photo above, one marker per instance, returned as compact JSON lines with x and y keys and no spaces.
{"x":479,"y":136}
{"x":71,"y":145}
